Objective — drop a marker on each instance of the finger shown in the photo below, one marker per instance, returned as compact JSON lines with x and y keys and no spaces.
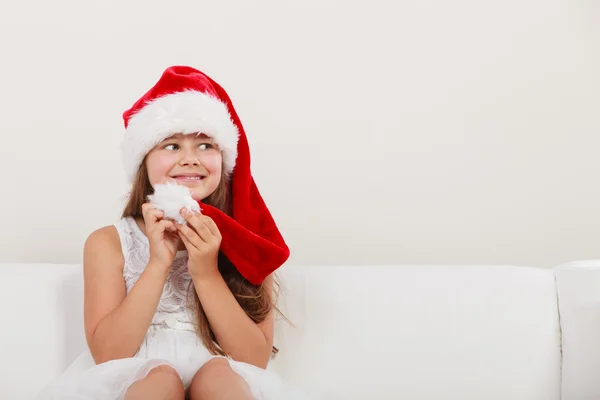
{"x":145,"y":209}
{"x":150,"y":213}
{"x":186,"y":242}
{"x":168,"y":225}
{"x":190,"y":235}
{"x":165,"y":226}
{"x":204,"y":232}
{"x":198,"y":225}
{"x":212,"y":226}
{"x":156,"y":215}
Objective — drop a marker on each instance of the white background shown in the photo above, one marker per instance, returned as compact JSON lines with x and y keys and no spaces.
{"x":382,"y":132}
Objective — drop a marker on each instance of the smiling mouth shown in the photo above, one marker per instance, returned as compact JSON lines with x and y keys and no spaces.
{"x":188,"y":178}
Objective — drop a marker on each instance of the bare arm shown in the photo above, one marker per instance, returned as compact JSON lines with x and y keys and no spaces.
{"x":235,"y":332}
{"x":116,"y":323}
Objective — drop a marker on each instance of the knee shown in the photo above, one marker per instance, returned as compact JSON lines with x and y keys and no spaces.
{"x":213,"y":370}
{"x":165,"y":372}
{"x":169,"y":379}
{"x":210,"y":377}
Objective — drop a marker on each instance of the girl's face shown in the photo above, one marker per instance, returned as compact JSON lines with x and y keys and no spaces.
{"x":190,"y":160}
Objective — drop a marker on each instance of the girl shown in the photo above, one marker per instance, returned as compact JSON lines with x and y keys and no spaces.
{"x":176,"y":311}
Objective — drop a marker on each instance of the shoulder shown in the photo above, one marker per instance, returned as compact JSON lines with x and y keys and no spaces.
{"x":103,"y":244}
{"x":107,"y":236}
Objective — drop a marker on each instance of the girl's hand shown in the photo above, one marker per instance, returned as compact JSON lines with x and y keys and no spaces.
{"x":162,"y":236}
{"x":202,"y":240}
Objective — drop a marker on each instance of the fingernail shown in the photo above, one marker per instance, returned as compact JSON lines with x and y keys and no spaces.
{"x":185,"y":211}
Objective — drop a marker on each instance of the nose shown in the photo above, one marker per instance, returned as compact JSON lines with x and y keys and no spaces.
{"x":189,"y":158}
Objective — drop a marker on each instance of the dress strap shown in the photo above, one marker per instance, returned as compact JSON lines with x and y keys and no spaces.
{"x":124,"y":229}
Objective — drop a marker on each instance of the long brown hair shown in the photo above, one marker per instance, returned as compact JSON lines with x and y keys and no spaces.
{"x":254,"y":299}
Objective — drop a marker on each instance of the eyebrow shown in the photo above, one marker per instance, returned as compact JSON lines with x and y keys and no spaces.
{"x":201,"y":136}
{"x":204,"y":136}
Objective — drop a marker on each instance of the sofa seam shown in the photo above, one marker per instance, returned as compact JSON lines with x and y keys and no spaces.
{"x":560,"y":337}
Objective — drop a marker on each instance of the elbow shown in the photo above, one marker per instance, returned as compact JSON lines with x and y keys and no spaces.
{"x":107,"y":351}
{"x":262,"y":354}
{"x":260,"y":361}
{"x":258,"y":356}
{"x":106,"y":355}
{"x":263,"y":363}
{"x":255,"y":361}
{"x":265,"y":357}
{"x":101,"y":357}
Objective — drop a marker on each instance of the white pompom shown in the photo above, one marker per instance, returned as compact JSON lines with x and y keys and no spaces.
{"x":171,"y":198}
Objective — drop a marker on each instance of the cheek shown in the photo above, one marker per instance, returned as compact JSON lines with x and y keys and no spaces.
{"x":212,"y":163}
{"x":159,"y":167}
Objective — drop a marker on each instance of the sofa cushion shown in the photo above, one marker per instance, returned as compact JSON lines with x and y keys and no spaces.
{"x":377,"y":332}
{"x":421,"y":332}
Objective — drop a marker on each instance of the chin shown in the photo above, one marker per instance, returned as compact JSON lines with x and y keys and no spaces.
{"x":199,"y":195}
{"x":198,"y":190}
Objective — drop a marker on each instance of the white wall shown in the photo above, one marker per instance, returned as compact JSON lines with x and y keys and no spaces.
{"x":382,"y":132}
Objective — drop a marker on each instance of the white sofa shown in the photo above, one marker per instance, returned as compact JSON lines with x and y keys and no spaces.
{"x":370,"y":332}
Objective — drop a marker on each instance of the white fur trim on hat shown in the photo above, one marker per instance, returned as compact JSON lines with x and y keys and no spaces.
{"x":183,"y":112}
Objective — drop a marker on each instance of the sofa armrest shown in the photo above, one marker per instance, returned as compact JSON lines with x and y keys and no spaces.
{"x":578,"y":288}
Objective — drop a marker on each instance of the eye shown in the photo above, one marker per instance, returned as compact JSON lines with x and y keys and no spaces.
{"x":171,"y":146}
{"x":205,"y":146}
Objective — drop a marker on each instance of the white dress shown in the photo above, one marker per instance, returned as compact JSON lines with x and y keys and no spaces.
{"x":170,"y":340}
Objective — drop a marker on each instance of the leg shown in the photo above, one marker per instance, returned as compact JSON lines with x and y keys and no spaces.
{"x":217,"y":381}
{"x":162,"y":383}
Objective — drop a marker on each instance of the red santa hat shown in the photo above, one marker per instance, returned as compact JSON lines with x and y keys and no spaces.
{"x":185,"y":100}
